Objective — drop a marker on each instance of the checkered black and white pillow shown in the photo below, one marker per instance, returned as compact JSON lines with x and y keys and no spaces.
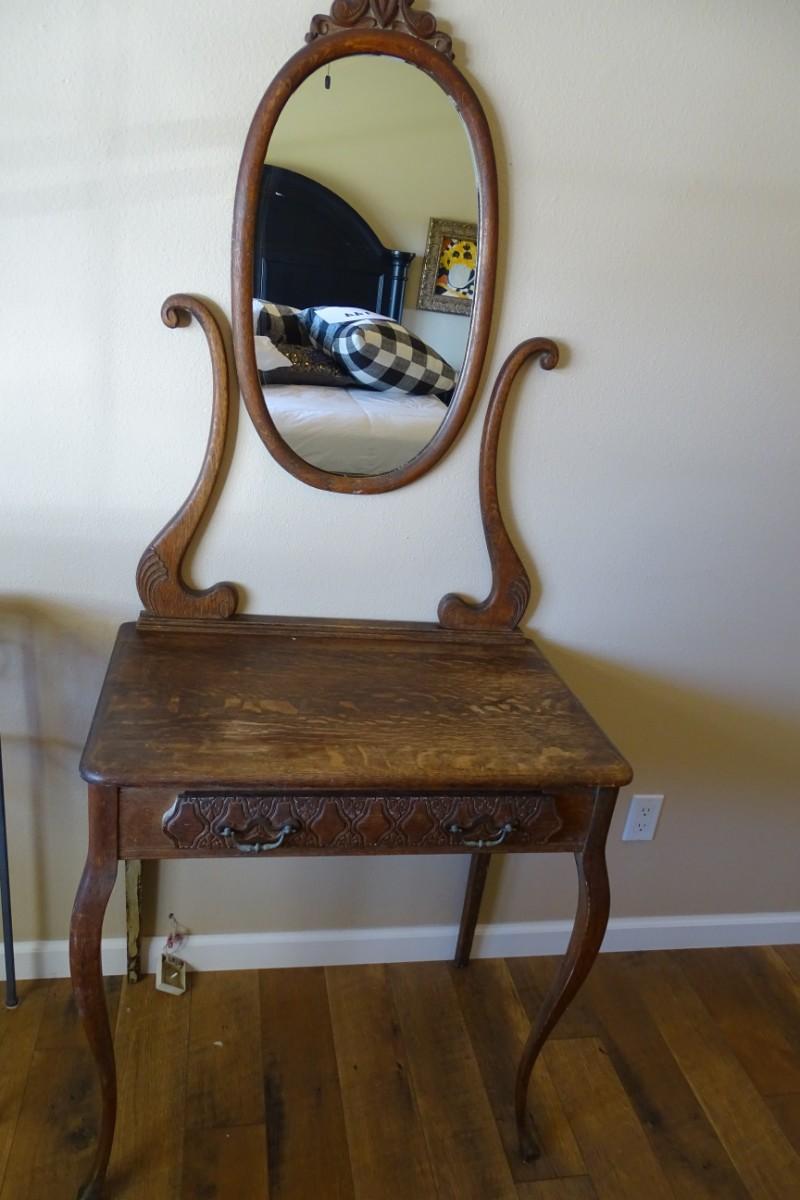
{"x":280,"y":323}
{"x":379,"y":353}
{"x":386,"y":356}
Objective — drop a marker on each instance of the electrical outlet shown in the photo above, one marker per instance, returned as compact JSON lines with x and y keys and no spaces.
{"x":642,"y":819}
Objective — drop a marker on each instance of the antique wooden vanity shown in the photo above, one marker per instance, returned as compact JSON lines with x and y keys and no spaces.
{"x":233,"y":736}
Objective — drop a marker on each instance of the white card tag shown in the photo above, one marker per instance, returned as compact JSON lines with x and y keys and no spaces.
{"x":171,"y":975}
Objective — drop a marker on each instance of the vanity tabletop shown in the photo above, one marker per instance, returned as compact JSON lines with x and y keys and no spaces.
{"x":300,"y":705}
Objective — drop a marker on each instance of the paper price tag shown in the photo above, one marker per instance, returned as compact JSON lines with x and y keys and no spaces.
{"x":171,"y":975}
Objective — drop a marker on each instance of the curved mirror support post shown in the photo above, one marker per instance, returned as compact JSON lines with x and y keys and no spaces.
{"x":159,"y":576}
{"x":505,"y":605}
{"x":364,"y":251}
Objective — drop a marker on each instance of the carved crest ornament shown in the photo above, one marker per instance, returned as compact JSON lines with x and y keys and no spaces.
{"x":381,"y":14}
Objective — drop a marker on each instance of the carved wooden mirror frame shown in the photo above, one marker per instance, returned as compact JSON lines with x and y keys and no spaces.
{"x":379,"y":27}
{"x":355,"y":26}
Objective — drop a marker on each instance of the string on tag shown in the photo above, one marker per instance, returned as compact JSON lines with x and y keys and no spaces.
{"x":328,"y":79}
{"x":171,"y":972}
{"x":177,"y":935}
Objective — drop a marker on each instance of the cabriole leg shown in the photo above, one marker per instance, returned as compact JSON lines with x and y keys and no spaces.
{"x":97,"y":882}
{"x":476,"y":882}
{"x":584,"y":944}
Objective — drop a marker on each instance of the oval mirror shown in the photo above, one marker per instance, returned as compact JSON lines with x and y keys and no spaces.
{"x":363,"y":265}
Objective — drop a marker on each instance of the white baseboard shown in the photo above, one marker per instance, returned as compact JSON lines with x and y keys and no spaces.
{"x":413,"y":943}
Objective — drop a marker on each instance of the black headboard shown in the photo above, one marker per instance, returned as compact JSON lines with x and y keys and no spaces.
{"x":312,"y":247}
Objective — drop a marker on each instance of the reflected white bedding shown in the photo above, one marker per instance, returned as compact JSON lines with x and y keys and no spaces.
{"x":353,"y":431}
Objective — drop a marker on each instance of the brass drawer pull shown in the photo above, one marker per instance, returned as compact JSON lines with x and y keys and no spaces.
{"x":233,"y":835}
{"x":489,"y":843}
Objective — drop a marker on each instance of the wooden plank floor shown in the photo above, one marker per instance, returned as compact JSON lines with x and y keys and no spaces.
{"x":675,"y":1076}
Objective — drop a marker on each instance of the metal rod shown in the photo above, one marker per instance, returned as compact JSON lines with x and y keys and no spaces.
{"x":5,"y":897}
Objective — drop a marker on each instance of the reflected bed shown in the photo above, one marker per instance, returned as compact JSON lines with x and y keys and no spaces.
{"x":354,"y":431}
{"x":313,"y":248}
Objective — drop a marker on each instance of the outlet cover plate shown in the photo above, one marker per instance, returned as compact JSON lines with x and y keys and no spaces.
{"x":642,"y":821}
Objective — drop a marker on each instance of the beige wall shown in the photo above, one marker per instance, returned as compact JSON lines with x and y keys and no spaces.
{"x":388,"y":140}
{"x":651,"y":179}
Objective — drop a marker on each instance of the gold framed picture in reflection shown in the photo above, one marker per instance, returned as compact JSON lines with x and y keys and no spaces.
{"x":450,"y":267}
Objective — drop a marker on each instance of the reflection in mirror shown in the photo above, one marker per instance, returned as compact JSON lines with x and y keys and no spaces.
{"x":365,"y":259}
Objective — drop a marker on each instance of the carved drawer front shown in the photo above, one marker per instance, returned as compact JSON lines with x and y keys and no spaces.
{"x":155,"y":823}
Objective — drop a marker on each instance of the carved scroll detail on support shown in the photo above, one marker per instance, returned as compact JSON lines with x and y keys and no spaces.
{"x":158,"y":577}
{"x":381,"y":14}
{"x":505,"y":605}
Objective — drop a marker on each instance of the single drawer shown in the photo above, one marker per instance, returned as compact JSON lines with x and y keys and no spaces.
{"x":158,"y":823}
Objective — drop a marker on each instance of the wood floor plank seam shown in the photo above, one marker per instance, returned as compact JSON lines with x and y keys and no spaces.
{"x":786,"y":1110}
{"x":687,"y":1147}
{"x":338,"y":1068}
{"x":620,"y":1160}
{"x":791,"y":956}
{"x":426,"y":1133}
{"x":153,"y":1037}
{"x":450,"y":1047}
{"x":571,"y":1187}
{"x":307,"y":1140}
{"x":753,"y":1019}
{"x":23,"y":1094}
{"x":659,"y":1097}
{"x":56,"y":1120}
{"x":10,"y":1015}
{"x":377,"y":978}
{"x":774,"y":1172}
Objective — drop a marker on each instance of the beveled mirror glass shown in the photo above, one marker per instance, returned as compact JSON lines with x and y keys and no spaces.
{"x":364,"y":251}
